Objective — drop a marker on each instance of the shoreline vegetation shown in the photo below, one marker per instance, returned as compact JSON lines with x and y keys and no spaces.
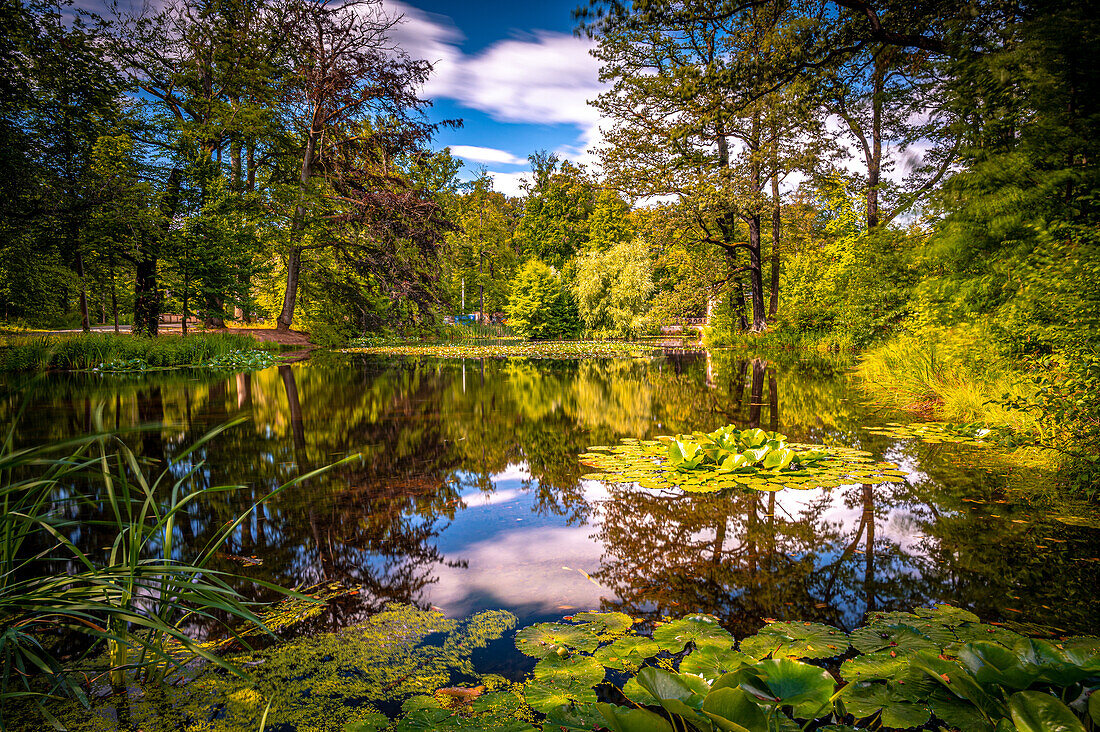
{"x":115,"y":352}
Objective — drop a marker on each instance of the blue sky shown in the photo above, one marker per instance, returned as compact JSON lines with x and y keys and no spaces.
{"x":513,"y":72}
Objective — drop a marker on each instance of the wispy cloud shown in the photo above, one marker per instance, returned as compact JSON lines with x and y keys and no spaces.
{"x":542,"y":78}
{"x":486,"y":155}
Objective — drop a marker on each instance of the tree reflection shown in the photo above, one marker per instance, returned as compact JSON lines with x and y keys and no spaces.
{"x":428,"y":436}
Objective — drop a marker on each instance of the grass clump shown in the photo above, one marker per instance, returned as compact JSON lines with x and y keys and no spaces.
{"x":92,"y":350}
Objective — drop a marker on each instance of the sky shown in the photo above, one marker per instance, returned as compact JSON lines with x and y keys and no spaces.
{"x":513,"y":72}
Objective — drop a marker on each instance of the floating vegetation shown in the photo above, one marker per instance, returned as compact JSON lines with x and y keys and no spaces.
{"x":329,"y":682}
{"x":937,"y":663}
{"x":937,"y":432}
{"x":236,"y":361}
{"x":729,"y":458}
{"x":519,"y":349}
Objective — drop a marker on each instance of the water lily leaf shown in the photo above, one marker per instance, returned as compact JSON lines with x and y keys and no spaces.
{"x":994,"y":664}
{"x":555,"y":669}
{"x":959,"y":713}
{"x":710,"y":662}
{"x":543,"y":638}
{"x":619,"y":719}
{"x":1083,"y":651}
{"x":544,"y":697}
{"x":880,"y":666}
{"x":798,"y":640}
{"x":969,"y":632}
{"x":1034,"y":711}
{"x":604,"y":623}
{"x":627,"y":652}
{"x":662,"y":686}
{"x":898,"y":637}
{"x":576,"y":718}
{"x":947,"y":615}
{"x":804,"y":687}
{"x":732,"y":710}
{"x":866,"y":700}
{"x":1049,"y":663}
{"x":702,"y":630}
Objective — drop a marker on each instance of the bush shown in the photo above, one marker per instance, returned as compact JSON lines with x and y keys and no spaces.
{"x":540,"y":308}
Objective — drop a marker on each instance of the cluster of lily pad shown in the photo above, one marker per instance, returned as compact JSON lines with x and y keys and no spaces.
{"x":729,"y":457}
{"x":518,"y":349}
{"x":935,"y":666}
{"x":937,"y":432}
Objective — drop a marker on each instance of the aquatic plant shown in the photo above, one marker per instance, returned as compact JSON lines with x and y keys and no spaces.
{"x":938,"y":666}
{"x":518,"y":349}
{"x":89,"y":351}
{"x":729,"y":457}
{"x":129,"y":599}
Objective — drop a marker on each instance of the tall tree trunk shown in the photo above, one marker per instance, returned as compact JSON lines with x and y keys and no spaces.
{"x":114,"y":293}
{"x":85,"y":321}
{"x":773,"y":303}
{"x":874,"y":164}
{"x":756,"y":278}
{"x":146,"y":297}
{"x":739,"y":295}
{"x":294,"y":260}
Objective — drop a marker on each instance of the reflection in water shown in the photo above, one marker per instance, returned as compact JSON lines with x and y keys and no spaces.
{"x":466,"y":492}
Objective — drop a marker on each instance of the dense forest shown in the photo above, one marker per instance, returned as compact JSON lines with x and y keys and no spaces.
{"x":834,"y":172}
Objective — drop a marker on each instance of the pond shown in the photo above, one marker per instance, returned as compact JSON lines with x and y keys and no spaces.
{"x":467,"y":493}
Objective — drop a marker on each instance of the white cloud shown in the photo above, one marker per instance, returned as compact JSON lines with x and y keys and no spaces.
{"x":486,"y":155}
{"x":543,"y":78}
{"x":510,"y":184}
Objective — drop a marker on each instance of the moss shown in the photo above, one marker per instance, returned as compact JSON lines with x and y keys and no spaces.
{"x":313,"y":684}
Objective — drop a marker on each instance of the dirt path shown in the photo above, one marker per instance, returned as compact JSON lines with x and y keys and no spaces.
{"x":270,"y":335}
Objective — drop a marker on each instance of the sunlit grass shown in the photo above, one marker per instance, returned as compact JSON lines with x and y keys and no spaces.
{"x":86,"y":351}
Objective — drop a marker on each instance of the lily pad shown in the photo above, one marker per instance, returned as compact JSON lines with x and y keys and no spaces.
{"x":556,"y":669}
{"x":605,"y":623}
{"x":797,"y":640}
{"x":710,"y":662}
{"x":866,"y":700}
{"x":899,"y":637}
{"x":543,"y":638}
{"x":702,"y":630}
{"x":627,"y":652}
{"x":545,"y":697}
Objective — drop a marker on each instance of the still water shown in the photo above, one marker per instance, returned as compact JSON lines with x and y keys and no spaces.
{"x":466,"y":493}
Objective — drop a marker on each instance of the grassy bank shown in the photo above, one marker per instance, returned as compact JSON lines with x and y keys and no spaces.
{"x":89,"y":350}
{"x":781,"y":339}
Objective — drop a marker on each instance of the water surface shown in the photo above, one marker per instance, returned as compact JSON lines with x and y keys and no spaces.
{"x":467,"y":494}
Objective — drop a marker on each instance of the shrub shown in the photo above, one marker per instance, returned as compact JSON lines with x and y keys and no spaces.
{"x":540,"y":308}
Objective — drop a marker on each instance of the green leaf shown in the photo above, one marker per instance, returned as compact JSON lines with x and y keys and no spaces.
{"x":866,"y":700}
{"x":1034,"y":711}
{"x":544,"y":696}
{"x":368,"y":723}
{"x":702,"y":630}
{"x":711,"y":662}
{"x":732,"y":710}
{"x":583,"y":670}
{"x":994,"y":664}
{"x":883,"y":665}
{"x":662,"y":685}
{"x":541,"y":639}
{"x":627,"y":652}
{"x":802,"y":686}
{"x":897,"y":637}
{"x":604,"y":623}
{"x":619,"y":719}
{"x":798,"y":640}
{"x":576,"y":718}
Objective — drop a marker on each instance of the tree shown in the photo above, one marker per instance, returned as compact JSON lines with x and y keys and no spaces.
{"x":558,"y":202}
{"x":481,"y":256}
{"x":614,"y":288}
{"x":540,"y":307}
{"x":682,"y":130}
{"x":351,"y":109}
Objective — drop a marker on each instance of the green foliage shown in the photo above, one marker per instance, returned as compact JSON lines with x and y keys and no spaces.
{"x":559,"y":201}
{"x":540,"y":308}
{"x":955,"y":669}
{"x":95,"y":350}
{"x":132,"y":599}
{"x":729,"y":458}
{"x":614,"y":289}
